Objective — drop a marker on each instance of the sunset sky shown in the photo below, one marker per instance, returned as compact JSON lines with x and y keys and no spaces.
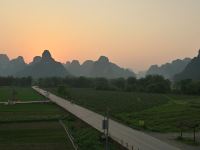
{"x":132,"y":33}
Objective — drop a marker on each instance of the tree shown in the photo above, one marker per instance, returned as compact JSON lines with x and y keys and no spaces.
{"x":119,"y":83}
{"x":83,"y":82}
{"x":62,"y":90}
{"x":131,"y":84}
{"x":154,"y":84}
{"x":101,"y":84}
{"x":13,"y":96}
{"x":181,"y":126}
{"x":194,"y":126}
{"x":188,"y":86}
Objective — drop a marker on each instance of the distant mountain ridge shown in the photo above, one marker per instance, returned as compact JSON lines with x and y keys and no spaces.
{"x":100,"y":68}
{"x":168,"y":70}
{"x":10,"y":67}
{"x":191,"y":71}
{"x":44,"y":66}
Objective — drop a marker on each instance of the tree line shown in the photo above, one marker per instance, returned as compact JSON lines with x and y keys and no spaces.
{"x":149,"y":84}
{"x":12,"y":81}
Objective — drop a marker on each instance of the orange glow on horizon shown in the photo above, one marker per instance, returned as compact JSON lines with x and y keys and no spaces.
{"x":134,"y":34}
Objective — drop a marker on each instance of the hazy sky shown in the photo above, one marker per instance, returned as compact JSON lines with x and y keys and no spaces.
{"x":132,"y":33}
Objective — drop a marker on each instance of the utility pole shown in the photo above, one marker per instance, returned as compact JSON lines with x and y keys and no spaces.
{"x":107,"y":130}
{"x":13,"y":96}
{"x":105,"y":126}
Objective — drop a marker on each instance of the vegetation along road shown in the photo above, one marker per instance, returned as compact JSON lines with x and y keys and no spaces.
{"x":124,"y":135}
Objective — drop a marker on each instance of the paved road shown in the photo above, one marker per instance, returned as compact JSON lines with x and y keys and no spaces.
{"x":26,"y":102}
{"x":130,"y":138}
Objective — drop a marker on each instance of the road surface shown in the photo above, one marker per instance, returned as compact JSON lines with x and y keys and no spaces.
{"x":25,"y":102}
{"x":128,"y":137}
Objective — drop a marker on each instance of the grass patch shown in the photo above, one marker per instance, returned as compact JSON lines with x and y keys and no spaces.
{"x":116,"y":101}
{"x":163,"y":118}
{"x":36,"y":127}
{"x":86,"y":137}
{"x":158,"y":112}
{"x":33,"y":136}
{"x":188,"y":141}
{"x":23,"y":94}
{"x":30,"y":112}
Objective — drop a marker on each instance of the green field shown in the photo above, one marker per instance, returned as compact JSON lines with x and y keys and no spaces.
{"x":33,"y":136}
{"x":22,"y":94}
{"x":160,"y":112}
{"x":86,"y":137}
{"x":32,"y":127}
{"x":30,"y":112}
{"x":37,"y":126}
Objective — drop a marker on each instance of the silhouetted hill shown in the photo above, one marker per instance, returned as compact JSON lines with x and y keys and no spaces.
{"x":17,"y":65}
{"x":4,"y":60}
{"x":86,"y":68}
{"x":36,"y":59}
{"x":10,"y":67}
{"x":44,"y":67}
{"x":4,"y":63}
{"x":192,"y":70}
{"x":74,"y":67}
{"x":100,"y":68}
{"x":168,"y":70}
